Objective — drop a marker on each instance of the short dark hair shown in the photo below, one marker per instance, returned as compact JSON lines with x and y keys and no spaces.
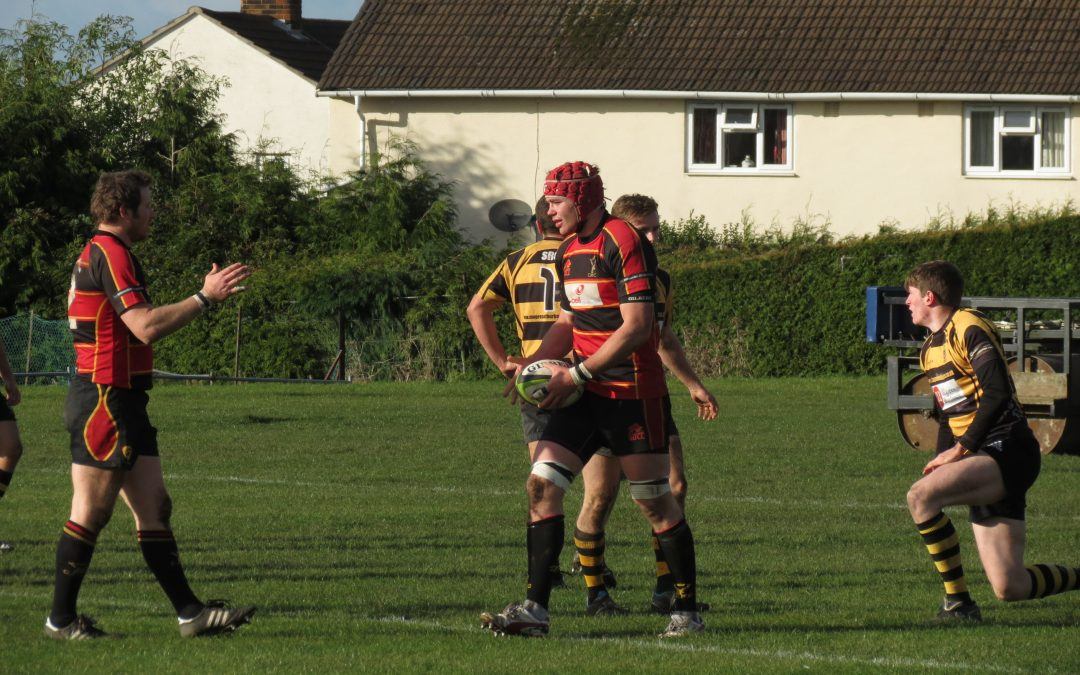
{"x":940,"y":277}
{"x":547,"y":225}
{"x":115,"y":190}
{"x":633,"y":206}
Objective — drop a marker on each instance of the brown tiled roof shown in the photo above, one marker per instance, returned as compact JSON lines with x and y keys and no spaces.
{"x":307,"y":53}
{"x":781,"y":46}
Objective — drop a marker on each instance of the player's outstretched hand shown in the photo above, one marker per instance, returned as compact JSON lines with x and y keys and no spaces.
{"x":559,"y":387}
{"x":222,"y":283}
{"x":14,"y":396}
{"x":953,"y":454}
{"x":707,"y":407}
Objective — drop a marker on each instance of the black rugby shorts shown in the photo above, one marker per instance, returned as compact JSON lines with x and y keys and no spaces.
{"x":109,"y":426}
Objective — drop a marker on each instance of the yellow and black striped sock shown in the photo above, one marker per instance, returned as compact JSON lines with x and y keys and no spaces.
{"x":73,"y":555}
{"x":665,"y":580}
{"x":1052,"y":579}
{"x":590,"y":549}
{"x":941,"y":541}
{"x":5,"y":481}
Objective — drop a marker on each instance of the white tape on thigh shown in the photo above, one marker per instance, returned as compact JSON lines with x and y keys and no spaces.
{"x":649,"y":489}
{"x":548,"y":471}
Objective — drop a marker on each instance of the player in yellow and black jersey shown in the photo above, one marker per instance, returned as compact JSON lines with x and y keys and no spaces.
{"x":10,"y":446}
{"x":987,"y":458}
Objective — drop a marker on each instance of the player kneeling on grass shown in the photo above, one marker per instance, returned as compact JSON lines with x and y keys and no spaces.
{"x":602,"y":474}
{"x":607,"y":271}
{"x":987,"y":457}
{"x":113,"y":445}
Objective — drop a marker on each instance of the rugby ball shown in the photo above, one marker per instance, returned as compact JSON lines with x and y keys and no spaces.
{"x":533,"y":379}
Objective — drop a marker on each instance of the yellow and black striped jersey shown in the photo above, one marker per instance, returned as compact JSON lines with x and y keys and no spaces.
{"x":958,"y":359}
{"x":665,"y":293}
{"x":527,"y":279}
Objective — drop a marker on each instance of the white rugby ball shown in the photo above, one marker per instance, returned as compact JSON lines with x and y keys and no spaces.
{"x":533,"y":379}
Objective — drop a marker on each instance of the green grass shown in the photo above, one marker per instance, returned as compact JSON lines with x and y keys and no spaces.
{"x":373,"y":523}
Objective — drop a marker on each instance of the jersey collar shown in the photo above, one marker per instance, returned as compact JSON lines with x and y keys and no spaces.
{"x":103,"y":233}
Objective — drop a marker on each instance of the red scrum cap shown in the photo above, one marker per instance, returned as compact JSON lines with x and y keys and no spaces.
{"x":579,"y":182}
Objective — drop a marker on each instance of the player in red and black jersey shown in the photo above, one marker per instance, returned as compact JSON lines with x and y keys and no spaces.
{"x":987,"y":457}
{"x":10,"y":445}
{"x":113,"y":444}
{"x":607,"y":271}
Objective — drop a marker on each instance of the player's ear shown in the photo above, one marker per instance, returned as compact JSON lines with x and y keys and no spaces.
{"x":931,"y":299}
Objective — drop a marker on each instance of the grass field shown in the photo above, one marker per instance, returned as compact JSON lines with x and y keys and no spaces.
{"x":372,"y":523}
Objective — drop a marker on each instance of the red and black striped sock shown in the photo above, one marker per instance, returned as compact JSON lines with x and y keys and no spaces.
{"x":73,"y":555}
{"x":544,"y":541}
{"x":163,"y":558}
{"x":1052,"y":579}
{"x":677,"y":545}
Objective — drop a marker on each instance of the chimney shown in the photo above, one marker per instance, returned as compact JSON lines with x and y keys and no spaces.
{"x":283,"y":10}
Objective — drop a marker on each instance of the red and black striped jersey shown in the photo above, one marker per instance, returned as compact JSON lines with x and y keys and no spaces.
{"x":615,"y":265}
{"x":527,"y":280}
{"x":108,"y":281}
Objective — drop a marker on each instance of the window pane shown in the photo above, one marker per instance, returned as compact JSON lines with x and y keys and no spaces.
{"x":1018,"y":118}
{"x":738,"y":116}
{"x":1053,"y":140}
{"x":775,"y":137}
{"x":704,"y":136}
{"x":982,"y":138}
{"x":1017,"y":153}
{"x":740,"y":149}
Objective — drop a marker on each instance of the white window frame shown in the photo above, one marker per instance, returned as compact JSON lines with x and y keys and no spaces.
{"x":757,"y":125}
{"x":1000,"y":131}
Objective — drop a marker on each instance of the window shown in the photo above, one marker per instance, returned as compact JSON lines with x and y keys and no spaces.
{"x":739,"y":138}
{"x":1016,"y":140}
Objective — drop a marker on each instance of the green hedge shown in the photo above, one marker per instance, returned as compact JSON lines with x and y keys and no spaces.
{"x":802,"y":310}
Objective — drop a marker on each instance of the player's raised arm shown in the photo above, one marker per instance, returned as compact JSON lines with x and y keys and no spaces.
{"x":150,"y":324}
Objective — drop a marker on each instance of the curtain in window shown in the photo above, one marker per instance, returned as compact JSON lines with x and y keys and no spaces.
{"x":776,"y":137}
{"x":1053,"y":140}
{"x":704,"y":136}
{"x":982,"y":138}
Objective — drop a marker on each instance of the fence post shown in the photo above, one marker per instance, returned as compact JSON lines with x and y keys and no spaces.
{"x":29,"y":347}
{"x":341,"y":344}
{"x":236,"y":356}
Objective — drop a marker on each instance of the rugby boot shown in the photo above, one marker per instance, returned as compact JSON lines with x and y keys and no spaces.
{"x":664,"y":601}
{"x":604,"y":606}
{"x":527,"y":619}
{"x":82,"y":628}
{"x":215,"y":618}
{"x":6,"y":546}
{"x":959,"y":610}
{"x":683,"y":624}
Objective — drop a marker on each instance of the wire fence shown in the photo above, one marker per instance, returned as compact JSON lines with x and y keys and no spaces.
{"x":41,"y":351}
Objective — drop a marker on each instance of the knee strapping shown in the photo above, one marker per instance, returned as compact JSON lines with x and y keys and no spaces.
{"x":649,"y":489}
{"x":557,"y":473}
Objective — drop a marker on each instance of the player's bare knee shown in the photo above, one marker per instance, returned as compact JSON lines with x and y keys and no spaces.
{"x":918,"y":500}
{"x":1011,"y":589}
{"x":678,"y":490}
{"x":165,"y":507}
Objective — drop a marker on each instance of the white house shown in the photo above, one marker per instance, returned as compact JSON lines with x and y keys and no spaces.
{"x":272,"y":58}
{"x":859,"y":111}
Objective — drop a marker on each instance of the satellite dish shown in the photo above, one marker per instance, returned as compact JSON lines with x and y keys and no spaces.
{"x":510,"y":215}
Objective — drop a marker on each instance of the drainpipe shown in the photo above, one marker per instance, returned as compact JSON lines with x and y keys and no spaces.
{"x":363,"y":133}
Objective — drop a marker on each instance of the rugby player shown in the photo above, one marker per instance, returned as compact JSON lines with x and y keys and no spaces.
{"x":10,"y":446}
{"x":987,"y":457}
{"x":607,"y":271}
{"x":114,"y":447}
{"x":602,"y":473}
{"x":527,"y":280}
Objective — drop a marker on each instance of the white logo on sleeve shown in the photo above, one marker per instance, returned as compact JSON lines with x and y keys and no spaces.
{"x":948,"y":394}
{"x":583,"y":295}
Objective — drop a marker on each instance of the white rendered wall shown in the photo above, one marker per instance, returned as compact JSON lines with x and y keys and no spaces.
{"x":874,"y":163}
{"x":263,"y":100}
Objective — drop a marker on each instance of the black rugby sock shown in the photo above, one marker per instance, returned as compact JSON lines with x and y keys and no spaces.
{"x":590,"y":550}
{"x":5,"y":481}
{"x":665,"y":580}
{"x":73,"y":555}
{"x":544,"y":542}
{"x":163,"y":558}
{"x":941,"y":542}
{"x":1052,"y":579}
{"x":677,"y":545}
